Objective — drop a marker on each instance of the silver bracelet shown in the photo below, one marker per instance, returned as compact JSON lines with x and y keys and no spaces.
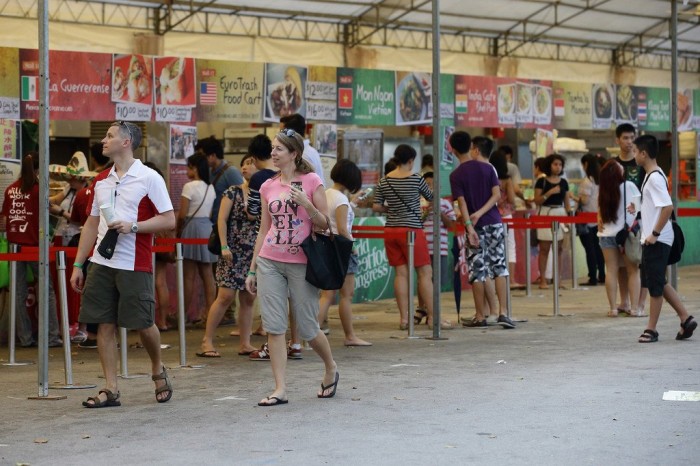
{"x":314,"y":214}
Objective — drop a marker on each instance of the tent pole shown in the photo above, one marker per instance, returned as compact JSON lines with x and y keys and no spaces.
{"x":674,"y":121}
{"x":42,"y":289}
{"x":437,"y":279}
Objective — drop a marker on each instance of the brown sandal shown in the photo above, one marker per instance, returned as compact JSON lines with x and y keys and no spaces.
{"x":95,"y":402}
{"x":165,"y":388}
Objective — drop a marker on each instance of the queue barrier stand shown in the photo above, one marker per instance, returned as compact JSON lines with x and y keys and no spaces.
{"x":14,"y":249}
{"x":67,"y":357}
{"x":509,"y":307}
{"x":528,"y":259}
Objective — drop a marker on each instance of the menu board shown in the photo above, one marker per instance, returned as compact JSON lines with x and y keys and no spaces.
{"x":175,"y":88}
{"x":321,"y":94}
{"x":365,"y":97}
{"x":229,"y":91}
{"x":653,"y":108}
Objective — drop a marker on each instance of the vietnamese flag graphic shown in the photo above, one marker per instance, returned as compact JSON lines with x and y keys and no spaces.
{"x":345,"y":97}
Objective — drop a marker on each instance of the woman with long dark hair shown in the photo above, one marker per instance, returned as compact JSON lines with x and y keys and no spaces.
{"x":193,"y":222}
{"x":588,"y":202}
{"x":612,"y":216}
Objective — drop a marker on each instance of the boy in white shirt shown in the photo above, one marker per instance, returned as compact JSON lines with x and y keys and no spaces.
{"x":657,"y":238}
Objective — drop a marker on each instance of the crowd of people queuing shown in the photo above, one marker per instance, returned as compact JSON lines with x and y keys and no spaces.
{"x":263,"y":212}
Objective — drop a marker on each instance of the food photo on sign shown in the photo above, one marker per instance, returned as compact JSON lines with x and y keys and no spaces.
{"x":627,"y":102}
{"x":413,"y":98}
{"x":132,"y":79}
{"x":685,"y":110}
{"x":603,"y":105}
{"x":174,"y":81}
{"x":284,"y":91}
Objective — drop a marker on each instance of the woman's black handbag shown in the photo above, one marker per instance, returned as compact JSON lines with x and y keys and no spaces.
{"x":327,"y":259}
{"x":214,"y":244}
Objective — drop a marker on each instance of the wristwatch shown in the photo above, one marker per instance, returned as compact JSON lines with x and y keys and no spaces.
{"x":134,"y":227}
{"x":656,"y":233}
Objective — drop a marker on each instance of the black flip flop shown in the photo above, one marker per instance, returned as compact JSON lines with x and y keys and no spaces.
{"x":334,"y":386}
{"x":688,"y":327}
{"x":208,"y":354}
{"x":278,"y":401}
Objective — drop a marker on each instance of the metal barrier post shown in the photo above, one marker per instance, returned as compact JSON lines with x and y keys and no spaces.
{"x":509,"y":309}
{"x":67,"y":359}
{"x":574,"y":272}
{"x":411,"y":260}
{"x":13,"y":312}
{"x":555,"y":266}
{"x":528,"y":260}
{"x":181,"y":303}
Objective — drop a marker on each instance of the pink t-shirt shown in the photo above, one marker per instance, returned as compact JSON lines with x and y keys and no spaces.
{"x":289,"y":223}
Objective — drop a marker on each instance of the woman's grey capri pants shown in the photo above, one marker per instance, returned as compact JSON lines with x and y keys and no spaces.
{"x":278,"y":282}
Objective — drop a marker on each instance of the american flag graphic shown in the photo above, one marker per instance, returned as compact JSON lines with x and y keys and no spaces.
{"x":642,"y":110}
{"x":207,"y":93}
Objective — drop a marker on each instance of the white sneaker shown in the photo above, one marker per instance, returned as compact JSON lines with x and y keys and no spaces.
{"x":79,"y":337}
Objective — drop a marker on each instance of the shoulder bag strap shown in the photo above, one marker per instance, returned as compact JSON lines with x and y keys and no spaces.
{"x":189,"y":219}
{"x":402,"y":201}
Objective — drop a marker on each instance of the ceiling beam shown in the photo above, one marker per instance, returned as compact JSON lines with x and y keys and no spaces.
{"x":381,"y":27}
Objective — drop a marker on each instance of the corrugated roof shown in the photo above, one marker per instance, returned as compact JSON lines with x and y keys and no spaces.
{"x":637,"y":31}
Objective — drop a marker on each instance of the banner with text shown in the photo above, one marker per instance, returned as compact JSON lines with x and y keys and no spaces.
{"x":230,"y":91}
{"x":79,"y":85}
{"x":365,"y":97}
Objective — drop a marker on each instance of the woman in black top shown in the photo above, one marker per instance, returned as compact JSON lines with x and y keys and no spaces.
{"x":553,"y":196}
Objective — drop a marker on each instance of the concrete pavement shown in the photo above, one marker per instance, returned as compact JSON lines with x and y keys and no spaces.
{"x":566,"y":390}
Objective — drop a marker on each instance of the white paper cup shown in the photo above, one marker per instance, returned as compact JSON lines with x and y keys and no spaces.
{"x":637,"y":202}
{"x":107,"y":212}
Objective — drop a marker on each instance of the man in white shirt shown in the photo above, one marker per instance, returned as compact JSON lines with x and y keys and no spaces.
{"x":311,"y":155}
{"x":133,"y":201}
{"x":657,"y":238}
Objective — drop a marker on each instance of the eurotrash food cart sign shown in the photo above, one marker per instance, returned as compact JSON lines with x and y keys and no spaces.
{"x":229,"y":91}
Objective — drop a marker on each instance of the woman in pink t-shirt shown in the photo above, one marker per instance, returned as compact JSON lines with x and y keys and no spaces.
{"x":293,"y":203}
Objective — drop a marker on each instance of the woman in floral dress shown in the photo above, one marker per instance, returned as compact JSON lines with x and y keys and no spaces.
{"x":239,"y":232}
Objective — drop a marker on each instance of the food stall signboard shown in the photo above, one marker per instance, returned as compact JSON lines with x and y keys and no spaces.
{"x":79,"y":85}
{"x":485,"y":101}
{"x":365,"y":97}
{"x":414,"y":104}
{"x":572,"y":105}
{"x":229,"y":91}
{"x":175,"y":87}
{"x":285,"y":91}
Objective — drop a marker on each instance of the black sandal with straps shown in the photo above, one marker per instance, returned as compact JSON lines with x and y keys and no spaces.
{"x":164,"y":388}
{"x":95,"y":402}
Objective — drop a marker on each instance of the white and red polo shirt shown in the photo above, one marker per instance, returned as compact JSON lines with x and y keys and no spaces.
{"x":140,"y":194}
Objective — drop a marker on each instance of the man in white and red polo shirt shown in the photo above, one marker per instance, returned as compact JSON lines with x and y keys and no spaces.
{"x":119,"y":288}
